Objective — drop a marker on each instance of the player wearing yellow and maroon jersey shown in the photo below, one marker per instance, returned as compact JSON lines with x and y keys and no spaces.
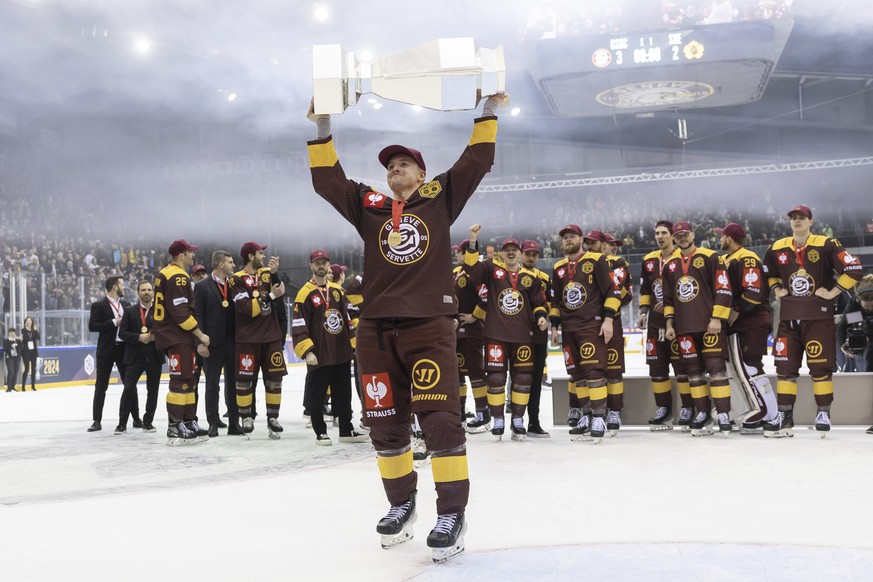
{"x":661,"y":353}
{"x":749,"y":320}
{"x":468,"y":341}
{"x":516,"y":305}
{"x":405,"y":339}
{"x":697,"y":300}
{"x":176,"y":329}
{"x":585,"y":300}
{"x":806,"y":271}
{"x":258,"y":335}
{"x":615,"y":348}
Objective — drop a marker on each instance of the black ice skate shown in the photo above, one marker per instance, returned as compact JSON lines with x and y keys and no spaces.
{"x":686,"y":414}
{"x":582,"y":430}
{"x":497,"y":429}
{"x":446,"y":539}
{"x":724,"y":423}
{"x":202,"y":434}
{"x":613,"y":422}
{"x":823,"y":422}
{"x":274,"y":429}
{"x":598,"y":429}
{"x":781,"y":426}
{"x":178,"y":434}
{"x":480,"y":424}
{"x":396,"y":527}
{"x":519,"y":433}
{"x":663,"y":419}
{"x":701,"y":425}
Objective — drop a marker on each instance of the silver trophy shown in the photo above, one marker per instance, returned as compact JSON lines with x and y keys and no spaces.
{"x":446,"y":74}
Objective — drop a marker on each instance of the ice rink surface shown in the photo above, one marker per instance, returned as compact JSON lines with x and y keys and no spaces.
{"x":641,"y":506}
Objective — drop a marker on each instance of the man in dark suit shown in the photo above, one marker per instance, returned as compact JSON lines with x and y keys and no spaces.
{"x":105,"y":319}
{"x":214,"y":311}
{"x":140,"y":355}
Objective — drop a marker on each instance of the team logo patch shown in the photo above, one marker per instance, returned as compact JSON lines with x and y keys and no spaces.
{"x":560,"y":273}
{"x":526,"y":281}
{"x":672,"y":267}
{"x":801,"y":284}
{"x":414,"y":240}
{"x":317,"y":300}
{"x":686,"y":288}
{"x":523,"y":353}
{"x":722,"y":282}
{"x":462,"y":282}
{"x":247,"y":364}
{"x":499,"y":273}
{"x":430,"y":190}
{"x":175,"y":365}
{"x":277,"y":359}
{"x":813,"y":256}
{"x":377,"y":393}
{"x":751,"y":279}
{"x":587,"y":350}
{"x":674,"y":347}
{"x":658,"y":290}
{"x":336,"y":295}
{"x":587,"y":267}
{"x":461,"y":361}
{"x":710,"y":340}
{"x":574,"y":296}
{"x":780,"y":347}
{"x":611,"y":357}
{"x":510,"y":301}
{"x":333,"y":321}
{"x":265,"y":277}
{"x":651,"y":347}
{"x":482,"y":291}
{"x":568,"y":358}
{"x":618,"y":276}
{"x":650,"y":266}
{"x":495,"y":354}
{"x":698,"y":262}
{"x":374,"y":200}
{"x":425,"y":374}
{"x":847,"y":259}
{"x":782,"y":258}
{"x":813,"y":349}
{"x":686,"y":346}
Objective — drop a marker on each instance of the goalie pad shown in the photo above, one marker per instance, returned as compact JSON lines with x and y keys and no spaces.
{"x":745,"y":398}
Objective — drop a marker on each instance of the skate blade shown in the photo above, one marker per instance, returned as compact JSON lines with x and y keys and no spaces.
{"x":686,"y":428}
{"x":661,"y":427}
{"x":779,"y":434}
{"x":389,"y":541}
{"x":518,"y":437}
{"x":597,"y":440}
{"x":275,"y":435}
{"x":478,"y":429}
{"x":441,"y":555}
{"x":579,"y":438}
{"x":498,"y":437}
{"x":180,"y":442}
{"x":612,"y":432}
{"x":724,"y":433}
{"x":421,"y":463}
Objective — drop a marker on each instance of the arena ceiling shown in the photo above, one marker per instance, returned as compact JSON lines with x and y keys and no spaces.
{"x":200,"y":62}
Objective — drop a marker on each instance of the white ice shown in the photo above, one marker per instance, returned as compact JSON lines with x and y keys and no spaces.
{"x":640,"y":506}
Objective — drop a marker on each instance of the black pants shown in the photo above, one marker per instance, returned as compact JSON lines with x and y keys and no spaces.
{"x":104,"y":370}
{"x":536,"y":387}
{"x":28,"y":359}
{"x":339,"y":378}
{"x":221,"y":359}
{"x":152,"y":366}
{"x":13,"y":369}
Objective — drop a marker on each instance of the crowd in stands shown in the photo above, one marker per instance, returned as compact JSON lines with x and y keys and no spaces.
{"x":74,"y":267}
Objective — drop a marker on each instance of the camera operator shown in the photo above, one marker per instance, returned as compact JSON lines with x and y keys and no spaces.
{"x":855,"y":327}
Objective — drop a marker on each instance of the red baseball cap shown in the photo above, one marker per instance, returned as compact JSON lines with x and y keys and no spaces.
{"x":386,"y":154}
{"x":509,"y":242}
{"x":610,"y":238}
{"x":462,"y":246}
{"x":197,"y":269}
{"x":250,"y":248}
{"x":801,"y":209}
{"x":337,"y":270}
{"x":318,"y":254}
{"x":594,"y":235}
{"x":574,"y":228}
{"x":681,"y":226}
{"x":733,"y":230}
{"x":530,"y":245}
{"x":180,"y":246}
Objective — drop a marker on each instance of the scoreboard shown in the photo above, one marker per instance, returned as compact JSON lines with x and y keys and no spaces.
{"x":702,"y":66}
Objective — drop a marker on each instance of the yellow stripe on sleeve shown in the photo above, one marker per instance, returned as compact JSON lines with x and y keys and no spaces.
{"x":484,"y":132}
{"x":322,"y":155}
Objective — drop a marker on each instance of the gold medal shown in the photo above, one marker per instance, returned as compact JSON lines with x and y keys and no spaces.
{"x":256,"y":293}
{"x":144,"y":329}
{"x":394,"y":238}
{"x":224,"y":303}
{"x":801,"y":272}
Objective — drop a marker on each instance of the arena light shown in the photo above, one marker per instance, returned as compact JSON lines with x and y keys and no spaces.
{"x":377,"y":106}
{"x":515,"y":111}
{"x":142,"y":45}
{"x":365,"y":56}
{"x":417,"y":108}
{"x":321,"y":12}
{"x":231,"y":97}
